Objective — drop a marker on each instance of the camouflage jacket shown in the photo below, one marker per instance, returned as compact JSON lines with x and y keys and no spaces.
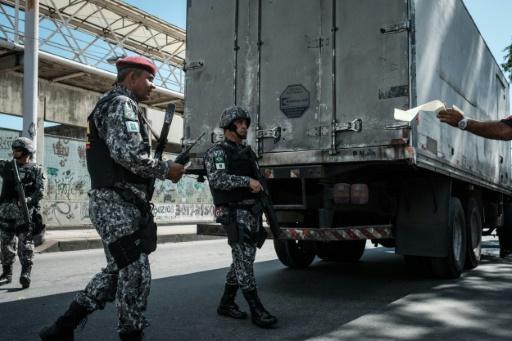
{"x":117,"y":121}
{"x":32,"y":178}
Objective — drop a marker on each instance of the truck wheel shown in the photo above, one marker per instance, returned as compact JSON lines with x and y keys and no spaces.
{"x":505,"y":231}
{"x":341,"y":251}
{"x":453,"y":265}
{"x":474,"y":233}
{"x":294,"y":254}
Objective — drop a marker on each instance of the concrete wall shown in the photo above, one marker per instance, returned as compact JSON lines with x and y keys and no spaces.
{"x":57,"y":102}
{"x":67,"y":105}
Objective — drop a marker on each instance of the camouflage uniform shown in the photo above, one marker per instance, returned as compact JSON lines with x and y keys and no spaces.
{"x":12,"y":224}
{"x":232,"y":171}
{"x":113,"y":217}
{"x":241,"y":271}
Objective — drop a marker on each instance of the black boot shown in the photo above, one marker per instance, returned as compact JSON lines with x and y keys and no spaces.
{"x":6,"y":276}
{"x":259,"y":315}
{"x":227,"y":306}
{"x":63,"y":328}
{"x":134,"y":335}
{"x":25,"y":276}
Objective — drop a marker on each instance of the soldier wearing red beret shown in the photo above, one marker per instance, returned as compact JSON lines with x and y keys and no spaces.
{"x":121,"y":170}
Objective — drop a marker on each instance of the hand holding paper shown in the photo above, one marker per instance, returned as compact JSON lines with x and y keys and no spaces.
{"x":432,"y":106}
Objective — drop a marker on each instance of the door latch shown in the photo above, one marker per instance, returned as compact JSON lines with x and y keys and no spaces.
{"x":355,"y":125}
{"x":274,"y":133}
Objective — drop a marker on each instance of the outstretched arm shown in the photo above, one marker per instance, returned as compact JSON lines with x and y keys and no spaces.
{"x":496,"y":130}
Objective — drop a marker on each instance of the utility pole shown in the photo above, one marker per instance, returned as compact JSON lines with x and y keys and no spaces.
{"x":31,"y":72}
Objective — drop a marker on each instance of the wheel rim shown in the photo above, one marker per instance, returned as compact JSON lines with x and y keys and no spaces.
{"x":475,"y":234}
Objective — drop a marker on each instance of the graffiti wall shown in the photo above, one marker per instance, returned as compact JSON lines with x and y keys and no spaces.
{"x":66,"y":200}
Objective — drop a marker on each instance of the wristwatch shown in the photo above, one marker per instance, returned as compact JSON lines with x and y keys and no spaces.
{"x":463,"y":124}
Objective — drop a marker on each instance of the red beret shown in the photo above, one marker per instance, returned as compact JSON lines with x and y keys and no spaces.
{"x":136,"y":62}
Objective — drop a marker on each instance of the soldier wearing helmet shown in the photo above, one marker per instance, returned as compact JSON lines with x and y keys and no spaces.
{"x":121,"y":170}
{"x":231,"y":170}
{"x":15,"y":233}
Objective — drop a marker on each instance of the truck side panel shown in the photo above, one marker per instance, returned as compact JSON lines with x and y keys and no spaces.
{"x":455,"y":65}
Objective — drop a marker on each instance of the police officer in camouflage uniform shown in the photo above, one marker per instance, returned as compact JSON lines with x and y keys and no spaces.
{"x":12,"y":223}
{"x":121,"y":170}
{"x":231,"y":170}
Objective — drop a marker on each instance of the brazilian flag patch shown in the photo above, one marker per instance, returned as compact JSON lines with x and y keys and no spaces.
{"x":219,"y":163}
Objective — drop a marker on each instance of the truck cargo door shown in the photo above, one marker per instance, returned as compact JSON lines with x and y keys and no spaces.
{"x":209,"y":66}
{"x":372,"y":68}
{"x":294,"y":100}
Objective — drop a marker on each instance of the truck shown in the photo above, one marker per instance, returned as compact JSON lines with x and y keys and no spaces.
{"x":321,"y":80}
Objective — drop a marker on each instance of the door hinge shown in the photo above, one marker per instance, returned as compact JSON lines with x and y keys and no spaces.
{"x":396,"y":28}
{"x":193,"y":65}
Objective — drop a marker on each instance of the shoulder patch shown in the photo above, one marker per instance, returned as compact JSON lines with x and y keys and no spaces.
{"x":132,"y":127}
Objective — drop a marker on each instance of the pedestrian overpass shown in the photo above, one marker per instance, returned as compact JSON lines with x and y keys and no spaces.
{"x":79,"y":41}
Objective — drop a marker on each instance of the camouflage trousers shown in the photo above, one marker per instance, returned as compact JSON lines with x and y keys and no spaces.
{"x":241,"y":271}
{"x":129,"y":287}
{"x":21,"y":242}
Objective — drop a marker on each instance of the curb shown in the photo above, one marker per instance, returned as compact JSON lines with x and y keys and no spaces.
{"x":86,"y":244}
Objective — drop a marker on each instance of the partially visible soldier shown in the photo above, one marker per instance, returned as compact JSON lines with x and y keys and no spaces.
{"x":12,"y":223}
{"x":121,"y":170}
{"x":231,"y":171}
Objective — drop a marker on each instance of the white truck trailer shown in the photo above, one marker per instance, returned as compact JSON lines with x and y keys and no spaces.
{"x":321,"y":80}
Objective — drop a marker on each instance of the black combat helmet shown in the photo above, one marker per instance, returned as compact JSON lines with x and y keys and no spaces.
{"x":23,"y":143}
{"x":231,"y":114}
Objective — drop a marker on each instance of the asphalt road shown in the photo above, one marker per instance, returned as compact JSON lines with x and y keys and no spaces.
{"x":374,"y":299}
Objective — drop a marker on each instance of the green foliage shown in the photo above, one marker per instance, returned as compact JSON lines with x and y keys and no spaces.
{"x":507,"y":66}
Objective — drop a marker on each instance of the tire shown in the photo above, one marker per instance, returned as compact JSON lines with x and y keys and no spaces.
{"x":341,"y":251}
{"x":293,"y":253}
{"x":505,"y":231}
{"x":474,"y":233}
{"x":453,"y":265}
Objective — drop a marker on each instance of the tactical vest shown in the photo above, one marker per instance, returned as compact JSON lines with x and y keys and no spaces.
{"x":237,"y":163}
{"x":9,"y":185}
{"x":103,"y":170}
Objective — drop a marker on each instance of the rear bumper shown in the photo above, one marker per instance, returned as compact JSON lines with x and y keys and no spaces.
{"x":374,"y":232}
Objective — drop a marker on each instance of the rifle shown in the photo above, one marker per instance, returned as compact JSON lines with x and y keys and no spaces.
{"x":264,"y":198}
{"x":184,"y":157}
{"x":21,"y":195}
{"x":162,"y":142}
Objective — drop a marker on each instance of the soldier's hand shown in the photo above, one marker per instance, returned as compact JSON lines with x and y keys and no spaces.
{"x":175,"y":172}
{"x":255,"y":186}
{"x":450,"y":116}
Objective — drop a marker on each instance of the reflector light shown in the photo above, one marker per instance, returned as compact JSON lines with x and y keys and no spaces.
{"x":359,"y":194}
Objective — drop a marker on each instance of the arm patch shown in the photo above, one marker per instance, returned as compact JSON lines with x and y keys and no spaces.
{"x":220,"y":164}
{"x":132,"y":126}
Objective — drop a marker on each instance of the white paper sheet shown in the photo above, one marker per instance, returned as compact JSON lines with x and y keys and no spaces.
{"x":408,"y":115}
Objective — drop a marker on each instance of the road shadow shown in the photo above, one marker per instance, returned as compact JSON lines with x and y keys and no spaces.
{"x":324,"y":301}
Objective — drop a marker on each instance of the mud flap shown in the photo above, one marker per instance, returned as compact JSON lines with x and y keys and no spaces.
{"x":422,"y":221}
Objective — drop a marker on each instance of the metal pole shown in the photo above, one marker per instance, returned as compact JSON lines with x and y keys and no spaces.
{"x":30,"y":73}
{"x":17,"y":21}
